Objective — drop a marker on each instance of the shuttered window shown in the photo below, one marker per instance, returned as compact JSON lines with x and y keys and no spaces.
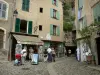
{"x":51,"y":29}
{"x":25,"y":5}
{"x":17,"y":25}
{"x":80,"y":4}
{"x":55,"y":2}
{"x":54,"y":30}
{"x":58,"y":15}
{"x":58,"y":31}
{"x":3,"y":10}
{"x":96,"y":12}
{"x":30,"y":27}
{"x":54,"y":14}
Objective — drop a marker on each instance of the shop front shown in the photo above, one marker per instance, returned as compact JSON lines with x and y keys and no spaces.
{"x":57,"y":45}
{"x":28,"y":41}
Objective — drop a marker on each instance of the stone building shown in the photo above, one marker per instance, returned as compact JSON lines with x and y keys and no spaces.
{"x":33,"y":23}
{"x":6,"y":19}
{"x":87,"y":11}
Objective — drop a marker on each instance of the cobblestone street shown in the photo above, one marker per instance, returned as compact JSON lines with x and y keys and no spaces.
{"x":62,"y":66}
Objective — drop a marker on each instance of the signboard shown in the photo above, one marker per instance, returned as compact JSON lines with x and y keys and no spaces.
{"x":35,"y":59}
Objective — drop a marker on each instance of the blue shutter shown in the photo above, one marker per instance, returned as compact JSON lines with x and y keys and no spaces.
{"x":51,"y":29}
{"x":30,"y":27}
{"x":58,"y":31}
{"x":17,"y":25}
{"x":51,"y":12}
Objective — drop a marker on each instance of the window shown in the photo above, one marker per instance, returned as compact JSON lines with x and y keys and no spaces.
{"x":54,"y":14}
{"x":3,"y":10}
{"x":80,"y":4}
{"x":96,"y":12}
{"x":41,"y":10}
{"x":55,"y":2}
{"x":40,"y":27}
{"x":25,"y":5}
{"x":23,"y":26}
{"x":54,"y":30}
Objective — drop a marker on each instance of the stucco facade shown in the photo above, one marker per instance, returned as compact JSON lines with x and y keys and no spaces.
{"x":87,"y":11}
{"x":43,"y":19}
{"x":5,"y":25}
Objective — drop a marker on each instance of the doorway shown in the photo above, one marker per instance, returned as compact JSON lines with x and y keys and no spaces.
{"x":1,"y":38}
{"x":98,"y":49}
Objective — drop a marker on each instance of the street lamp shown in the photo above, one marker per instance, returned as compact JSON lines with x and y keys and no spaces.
{"x":15,"y":13}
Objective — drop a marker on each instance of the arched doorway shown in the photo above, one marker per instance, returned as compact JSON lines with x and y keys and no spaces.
{"x":1,"y":38}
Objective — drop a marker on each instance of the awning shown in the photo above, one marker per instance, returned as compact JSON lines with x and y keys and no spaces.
{"x":22,"y":39}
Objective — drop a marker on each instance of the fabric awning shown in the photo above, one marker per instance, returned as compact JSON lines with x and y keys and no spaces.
{"x":22,"y":39}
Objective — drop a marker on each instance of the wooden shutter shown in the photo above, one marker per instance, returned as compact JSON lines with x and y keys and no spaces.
{"x":96,"y":11}
{"x":80,"y":4}
{"x":27,"y":5}
{"x":56,"y":2}
{"x":51,"y":29}
{"x":51,"y":13}
{"x":17,"y":25}
{"x":52,"y":1}
{"x":57,"y":15}
{"x":23,"y":5}
{"x":58,"y":31}
{"x":30,"y":27}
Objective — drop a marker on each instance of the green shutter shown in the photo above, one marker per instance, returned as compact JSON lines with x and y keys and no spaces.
{"x":58,"y":31}
{"x":51,"y":29}
{"x":23,"y":5}
{"x":56,"y":2}
{"x":52,"y":1}
{"x":30,"y":27}
{"x":57,"y":15}
{"x":80,"y":3}
{"x":46,"y":44}
{"x":51,"y":13}
{"x":17,"y":25}
{"x":96,"y":11}
{"x":27,"y":5}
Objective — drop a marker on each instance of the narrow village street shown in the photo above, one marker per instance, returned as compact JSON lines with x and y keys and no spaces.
{"x":62,"y":66}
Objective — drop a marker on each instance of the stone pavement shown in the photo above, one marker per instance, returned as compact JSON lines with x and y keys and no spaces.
{"x":62,"y":66}
{"x":69,"y":66}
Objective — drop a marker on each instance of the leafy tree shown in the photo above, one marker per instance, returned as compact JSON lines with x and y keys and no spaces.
{"x":68,"y":18}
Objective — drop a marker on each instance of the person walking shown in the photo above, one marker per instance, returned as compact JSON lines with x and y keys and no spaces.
{"x":23,"y":55}
{"x":45,"y":55}
{"x":69,"y":52}
{"x":53,"y":54}
{"x":49,"y":54}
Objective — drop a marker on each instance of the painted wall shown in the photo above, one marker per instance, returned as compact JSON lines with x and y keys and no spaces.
{"x":43,"y":19}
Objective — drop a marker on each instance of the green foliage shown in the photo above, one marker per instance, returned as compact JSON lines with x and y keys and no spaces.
{"x":67,"y":26}
{"x":87,"y":31}
{"x":68,"y":18}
